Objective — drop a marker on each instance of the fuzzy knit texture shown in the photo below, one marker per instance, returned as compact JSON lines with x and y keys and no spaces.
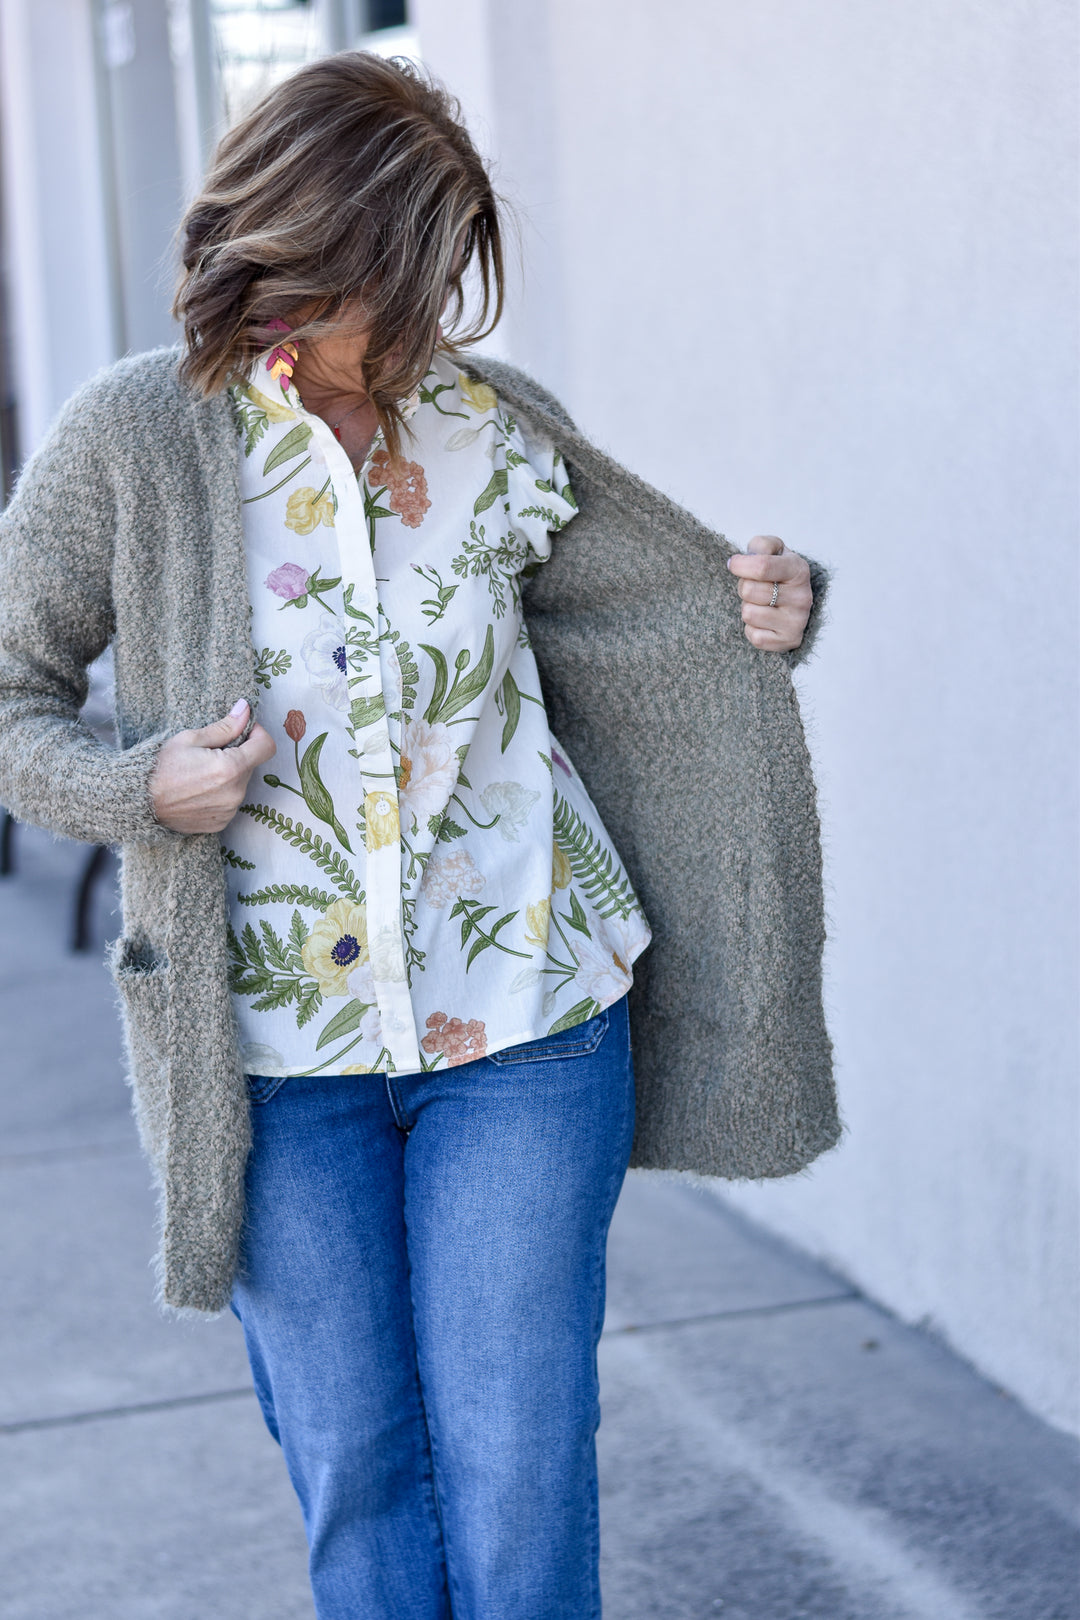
{"x":126,"y":527}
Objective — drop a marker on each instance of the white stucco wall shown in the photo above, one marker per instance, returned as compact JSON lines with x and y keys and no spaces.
{"x":55,"y":228}
{"x":811,"y":267}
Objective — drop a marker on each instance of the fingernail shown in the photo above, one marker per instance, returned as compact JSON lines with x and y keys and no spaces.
{"x":238,"y":708}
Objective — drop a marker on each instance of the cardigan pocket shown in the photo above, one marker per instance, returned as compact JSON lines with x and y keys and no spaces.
{"x":141,"y":974}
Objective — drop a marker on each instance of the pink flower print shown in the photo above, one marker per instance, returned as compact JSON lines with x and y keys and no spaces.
{"x":282,"y":361}
{"x":560,"y":762}
{"x":289,"y":580}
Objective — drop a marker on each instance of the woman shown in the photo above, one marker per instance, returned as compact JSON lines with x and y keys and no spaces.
{"x":376,"y":997}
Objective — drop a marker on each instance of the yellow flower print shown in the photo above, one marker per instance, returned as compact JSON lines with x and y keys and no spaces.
{"x":356,"y":1068}
{"x":478,"y":394}
{"x":381,"y":820}
{"x":560,"y":869}
{"x":336,"y":945}
{"x":306,"y":509}
{"x":538,"y":918}
{"x":273,"y":408}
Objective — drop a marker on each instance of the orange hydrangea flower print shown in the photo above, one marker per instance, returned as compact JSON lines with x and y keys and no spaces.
{"x":459,"y":1042}
{"x":406,"y":484}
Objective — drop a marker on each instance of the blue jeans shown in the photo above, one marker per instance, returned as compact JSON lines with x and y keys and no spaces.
{"x":422,"y":1292}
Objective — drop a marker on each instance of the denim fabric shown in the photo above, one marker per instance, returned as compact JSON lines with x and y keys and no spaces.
{"x":422,"y":1291}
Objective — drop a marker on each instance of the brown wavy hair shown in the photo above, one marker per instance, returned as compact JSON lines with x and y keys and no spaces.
{"x":350,"y":184}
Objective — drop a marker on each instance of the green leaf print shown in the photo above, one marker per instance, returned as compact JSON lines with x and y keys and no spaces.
{"x":438,"y":690}
{"x":253,"y":423}
{"x":302,"y":838}
{"x":472,"y":915}
{"x":577,"y":918}
{"x":276,"y":949}
{"x":365,"y":711}
{"x":316,"y":795}
{"x":342,"y":1023}
{"x":433,"y":607}
{"x":315,"y":589}
{"x":577,"y":1015}
{"x":237,"y":862}
{"x":602,"y":880}
{"x":466,"y":687}
{"x":272,"y":970}
{"x":410,"y":672}
{"x":511,"y":699}
{"x":414,"y":958}
{"x":293,"y":894}
{"x":500,"y":560}
{"x":293,"y":444}
{"x":430,"y":396}
{"x":551,"y":519}
{"x":497,"y":485}
{"x":450,"y":830}
{"x":270,"y":663}
{"x":372,"y":510}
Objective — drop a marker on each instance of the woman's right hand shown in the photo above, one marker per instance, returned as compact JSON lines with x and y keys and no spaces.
{"x":198,"y":782}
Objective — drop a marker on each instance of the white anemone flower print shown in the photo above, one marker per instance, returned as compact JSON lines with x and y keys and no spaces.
{"x":325,"y":657}
{"x":511,"y":803}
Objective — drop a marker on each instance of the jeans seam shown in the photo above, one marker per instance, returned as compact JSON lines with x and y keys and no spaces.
{"x":439,"y":1536}
{"x":432,"y":1459}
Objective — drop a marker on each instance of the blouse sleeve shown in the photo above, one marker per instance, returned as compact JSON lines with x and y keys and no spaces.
{"x":538,"y":489}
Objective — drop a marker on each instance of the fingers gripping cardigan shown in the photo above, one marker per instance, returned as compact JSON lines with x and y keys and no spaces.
{"x":126,"y":526}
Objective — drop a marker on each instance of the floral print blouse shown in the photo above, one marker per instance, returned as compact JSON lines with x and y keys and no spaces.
{"x":419,"y":878}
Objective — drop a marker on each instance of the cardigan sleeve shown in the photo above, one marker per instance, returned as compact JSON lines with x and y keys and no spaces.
{"x":819,"y":584}
{"x":535,"y":401}
{"x":56,"y":617}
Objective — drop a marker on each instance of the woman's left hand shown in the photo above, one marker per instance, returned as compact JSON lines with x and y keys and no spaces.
{"x":768,"y":563}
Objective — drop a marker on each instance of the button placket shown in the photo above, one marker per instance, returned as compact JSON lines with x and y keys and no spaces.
{"x":378,"y":783}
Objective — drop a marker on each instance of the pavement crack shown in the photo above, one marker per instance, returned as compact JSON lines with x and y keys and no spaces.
{"x":729,"y":1316}
{"x":133,"y":1409}
{"x":60,"y":1155}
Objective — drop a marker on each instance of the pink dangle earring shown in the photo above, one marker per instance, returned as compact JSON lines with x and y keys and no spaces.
{"x":282,"y":360}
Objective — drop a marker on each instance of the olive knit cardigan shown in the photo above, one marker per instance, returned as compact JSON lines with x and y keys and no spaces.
{"x":126,"y":527}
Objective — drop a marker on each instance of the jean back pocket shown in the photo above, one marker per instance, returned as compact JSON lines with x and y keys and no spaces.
{"x":579,"y":1041}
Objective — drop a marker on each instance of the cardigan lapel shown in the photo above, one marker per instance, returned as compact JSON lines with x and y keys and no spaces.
{"x":228,"y":669}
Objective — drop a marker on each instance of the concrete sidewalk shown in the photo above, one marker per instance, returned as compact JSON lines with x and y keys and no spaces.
{"x":773,"y":1446}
